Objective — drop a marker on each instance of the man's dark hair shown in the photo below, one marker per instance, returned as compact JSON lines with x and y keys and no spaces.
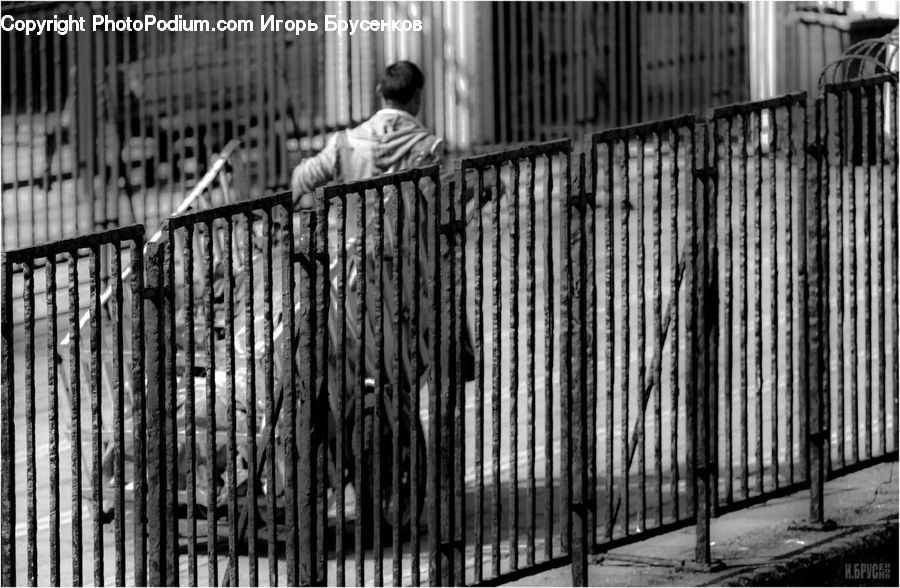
{"x":400,"y":82}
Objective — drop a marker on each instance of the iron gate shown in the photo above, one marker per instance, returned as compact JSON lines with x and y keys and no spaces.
{"x":760,"y":161}
{"x":859,"y":142}
{"x":101,"y":430}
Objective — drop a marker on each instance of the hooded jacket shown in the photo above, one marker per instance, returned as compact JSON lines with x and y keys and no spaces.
{"x":391,"y":141}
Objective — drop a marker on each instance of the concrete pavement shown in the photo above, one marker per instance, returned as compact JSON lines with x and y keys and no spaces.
{"x":770,"y":544}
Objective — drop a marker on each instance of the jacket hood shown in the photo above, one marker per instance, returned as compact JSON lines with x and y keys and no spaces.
{"x":396,"y":133}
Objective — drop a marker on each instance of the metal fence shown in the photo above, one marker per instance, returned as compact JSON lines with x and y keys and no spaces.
{"x":664,"y":331}
{"x":640,"y":176}
{"x":520,"y":364}
{"x":859,"y":179}
{"x":225,"y":356}
{"x":103,"y":389}
{"x":760,"y":165}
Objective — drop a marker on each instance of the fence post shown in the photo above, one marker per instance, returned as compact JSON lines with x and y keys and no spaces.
{"x":703,"y":331}
{"x":579,"y":506}
{"x":156,"y":474}
{"x":812,"y":296}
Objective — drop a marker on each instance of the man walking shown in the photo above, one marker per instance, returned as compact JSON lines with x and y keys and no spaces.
{"x":392,"y":140}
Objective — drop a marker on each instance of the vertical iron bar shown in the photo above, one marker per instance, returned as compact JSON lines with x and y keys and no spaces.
{"x":211,"y":467}
{"x":141,"y":115}
{"x":118,"y":410}
{"x":379,"y":367}
{"x":292,"y":455}
{"x":190,"y":410}
{"x":113,"y":150}
{"x":657,"y":327}
{"x":231,"y":469}
{"x":514,"y":376}
{"x":728,"y":319}
{"x":8,"y":575}
{"x":692,"y":321}
{"x":96,"y":415}
{"x":803,"y":379}
{"x":711,"y":314}
{"x":879,"y":159}
{"x":479,"y":381}
{"x":853,"y":292}
{"x":416,"y":360}
{"x":674,"y":348}
{"x":156,"y":504}
{"x":53,"y":412}
{"x":519,"y":120}
{"x":592,"y":372}
{"x":814,"y":333}
{"x":250,"y":400}
{"x":57,"y":135}
{"x":171,"y":99}
{"x":757,"y":306}
{"x":447,"y":396}
{"x":459,"y":332}
{"x":504,"y":41}
{"x":548,"y":356}
{"x":358,"y":440}
{"x":825,"y":180}
{"x":866,"y":98}
{"x":566,"y":318}
{"x":139,"y":411}
{"x":171,"y":417}
{"x":28,"y":57}
{"x":743,"y":303}
{"x":773,"y":278}
{"x":610,"y":336}
{"x":101,"y":120}
{"x":641,"y":336}
{"x":317,"y":295}
{"x":31,"y":457}
{"x":789,"y":294}
{"x":398,"y":387}
{"x":126,"y":145}
{"x":623,"y":164}
{"x":342,"y":386}
{"x":698,"y":350}
{"x":269,"y":381}
{"x":895,"y":280}
{"x":529,"y":361}
{"x":434,"y":393}
{"x":578,"y":414}
{"x":75,"y":378}
{"x":839,"y":272}
{"x":497,"y":304}
{"x":14,"y":117}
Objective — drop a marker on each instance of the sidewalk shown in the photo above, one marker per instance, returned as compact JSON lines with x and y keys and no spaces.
{"x":766,"y":544}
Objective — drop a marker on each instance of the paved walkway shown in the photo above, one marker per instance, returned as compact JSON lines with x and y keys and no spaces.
{"x":768,"y":544}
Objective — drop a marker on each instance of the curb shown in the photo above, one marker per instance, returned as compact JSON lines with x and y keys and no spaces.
{"x":824,"y":564}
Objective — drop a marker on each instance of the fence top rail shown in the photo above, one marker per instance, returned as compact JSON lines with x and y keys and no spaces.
{"x":558,"y":146}
{"x":411,"y":175}
{"x":784,"y":100}
{"x":639,"y":130}
{"x":869,"y":82}
{"x":134,"y":233}
{"x":226,"y":211}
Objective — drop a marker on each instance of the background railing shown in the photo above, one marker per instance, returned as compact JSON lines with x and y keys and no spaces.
{"x":105,"y":129}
